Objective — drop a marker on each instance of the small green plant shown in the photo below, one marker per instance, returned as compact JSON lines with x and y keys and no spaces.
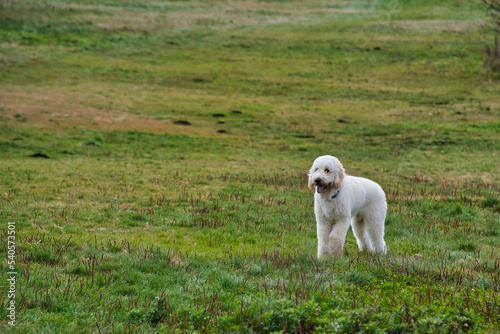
{"x":458,"y":209}
{"x":467,"y":246}
{"x":492,"y":202}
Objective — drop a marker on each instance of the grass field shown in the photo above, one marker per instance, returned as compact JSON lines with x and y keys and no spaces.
{"x":154,"y":159}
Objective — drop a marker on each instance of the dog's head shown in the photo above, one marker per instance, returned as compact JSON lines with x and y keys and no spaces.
{"x":326,"y":172}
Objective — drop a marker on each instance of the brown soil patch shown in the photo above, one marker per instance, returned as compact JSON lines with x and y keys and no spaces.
{"x":49,"y":111}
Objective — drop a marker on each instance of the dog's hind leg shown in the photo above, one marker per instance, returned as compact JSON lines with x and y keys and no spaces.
{"x":376,"y":234}
{"x":359,"y":229}
{"x":377,"y":238}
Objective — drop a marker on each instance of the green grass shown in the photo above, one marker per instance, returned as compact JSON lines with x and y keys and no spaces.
{"x":178,"y":136}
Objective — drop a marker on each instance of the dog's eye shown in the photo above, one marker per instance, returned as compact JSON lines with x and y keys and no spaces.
{"x":327,"y":170}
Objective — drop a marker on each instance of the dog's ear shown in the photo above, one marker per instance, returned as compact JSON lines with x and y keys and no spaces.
{"x":311,"y":183}
{"x":339,"y":178}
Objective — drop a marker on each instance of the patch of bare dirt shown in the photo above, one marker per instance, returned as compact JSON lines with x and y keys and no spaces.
{"x":48,"y":110}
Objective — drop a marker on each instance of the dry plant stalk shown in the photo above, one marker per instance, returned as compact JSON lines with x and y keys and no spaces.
{"x":493,"y":60}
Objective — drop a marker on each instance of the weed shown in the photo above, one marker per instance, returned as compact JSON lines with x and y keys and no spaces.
{"x":491,"y":202}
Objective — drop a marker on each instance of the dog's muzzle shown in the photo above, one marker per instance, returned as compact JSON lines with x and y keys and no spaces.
{"x":319,"y":188}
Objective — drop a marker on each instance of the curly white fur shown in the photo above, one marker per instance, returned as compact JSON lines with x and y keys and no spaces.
{"x":341,"y":201}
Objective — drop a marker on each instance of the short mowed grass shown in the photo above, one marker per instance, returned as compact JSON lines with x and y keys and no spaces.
{"x":154,"y":159}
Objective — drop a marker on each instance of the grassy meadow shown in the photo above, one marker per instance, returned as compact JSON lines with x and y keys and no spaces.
{"x":154,"y":159}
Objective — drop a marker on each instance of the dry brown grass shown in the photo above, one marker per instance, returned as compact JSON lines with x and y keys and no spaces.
{"x":215,"y":14}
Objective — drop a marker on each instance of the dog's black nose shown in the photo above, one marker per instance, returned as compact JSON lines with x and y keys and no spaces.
{"x":318,"y":180}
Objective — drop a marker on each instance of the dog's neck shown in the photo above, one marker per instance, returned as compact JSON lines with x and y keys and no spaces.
{"x":335,"y":194}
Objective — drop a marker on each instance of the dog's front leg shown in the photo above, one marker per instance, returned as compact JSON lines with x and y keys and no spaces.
{"x":337,"y":236}
{"x":323,"y":232}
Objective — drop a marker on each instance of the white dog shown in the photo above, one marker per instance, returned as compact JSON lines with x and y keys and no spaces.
{"x":342,"y":200}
